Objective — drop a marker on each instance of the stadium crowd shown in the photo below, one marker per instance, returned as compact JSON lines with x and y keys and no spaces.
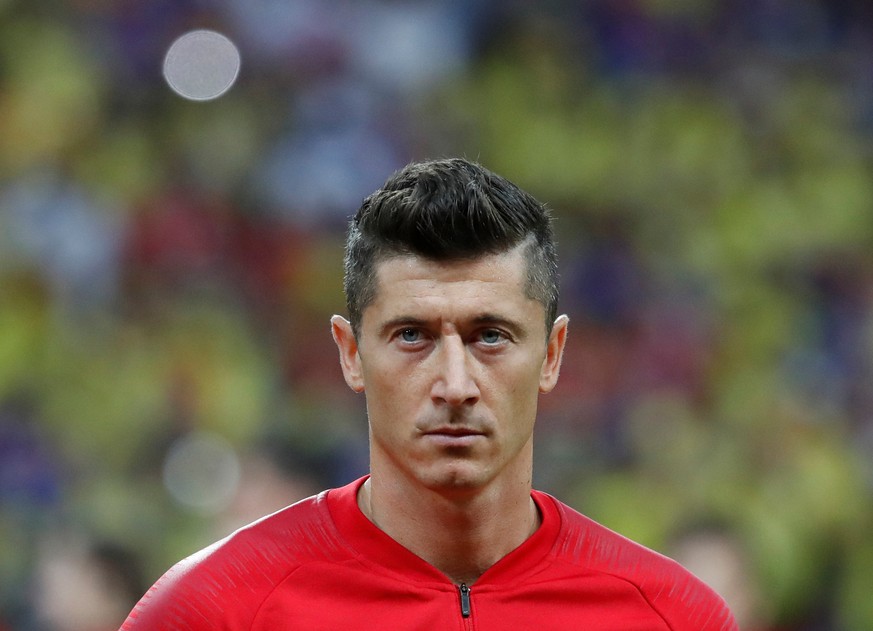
{"x":168,"y":268}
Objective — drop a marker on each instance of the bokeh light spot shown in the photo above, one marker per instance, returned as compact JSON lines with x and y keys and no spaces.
{"x":201,"y":65}
{"x":202,"y":472}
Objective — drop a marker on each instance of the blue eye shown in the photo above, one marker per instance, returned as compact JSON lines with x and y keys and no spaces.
{"x":410,"y":335}
{"x":491,"y":336}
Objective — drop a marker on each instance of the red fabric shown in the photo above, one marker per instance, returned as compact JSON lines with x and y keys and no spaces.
{"x":321,"y":564}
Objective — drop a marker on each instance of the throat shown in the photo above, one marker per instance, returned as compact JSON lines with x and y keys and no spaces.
{"x":462,"y":541}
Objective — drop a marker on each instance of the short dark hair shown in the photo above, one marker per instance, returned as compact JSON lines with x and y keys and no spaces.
{"x":450,"y":209}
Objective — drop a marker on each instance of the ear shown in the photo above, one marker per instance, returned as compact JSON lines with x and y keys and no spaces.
{"x":350,"y":361}
{"x":554,"y":354}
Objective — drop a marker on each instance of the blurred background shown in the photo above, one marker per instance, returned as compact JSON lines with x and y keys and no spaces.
{"x":168,"y":265}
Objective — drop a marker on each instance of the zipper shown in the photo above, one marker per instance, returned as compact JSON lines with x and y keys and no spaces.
{"x":465,"y":600}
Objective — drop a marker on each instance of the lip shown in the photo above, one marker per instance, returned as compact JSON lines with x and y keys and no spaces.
{"x":454,"y":431}
{"x":453,"y":436}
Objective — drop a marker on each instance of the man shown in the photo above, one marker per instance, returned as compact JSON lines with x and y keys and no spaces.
{"x":451,"y":284}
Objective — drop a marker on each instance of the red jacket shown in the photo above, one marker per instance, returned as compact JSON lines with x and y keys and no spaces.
{"x":321,"y":564}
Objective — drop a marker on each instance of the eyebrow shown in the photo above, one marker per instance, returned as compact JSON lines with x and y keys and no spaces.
{"x":507,"y":323}
{"x":483,"y":319}
{"x":401,"y":321}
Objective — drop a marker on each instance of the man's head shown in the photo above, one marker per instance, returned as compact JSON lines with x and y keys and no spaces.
{"x":449,"y":210}
{"x":450,"y":279}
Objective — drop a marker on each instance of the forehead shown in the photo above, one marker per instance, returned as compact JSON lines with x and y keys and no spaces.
{"x":494,"y":280}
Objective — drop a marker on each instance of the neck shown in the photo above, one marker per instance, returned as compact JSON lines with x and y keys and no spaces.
{"x":462,"y":536}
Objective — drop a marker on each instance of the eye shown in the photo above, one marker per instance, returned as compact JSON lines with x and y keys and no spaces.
{"x":410,"y":335}
{"x":492,"y":336}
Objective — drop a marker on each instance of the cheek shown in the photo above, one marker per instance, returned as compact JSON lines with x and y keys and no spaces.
{"x":515,"y":391}
{"x":393,"y":398}
{"x":397,"y":377}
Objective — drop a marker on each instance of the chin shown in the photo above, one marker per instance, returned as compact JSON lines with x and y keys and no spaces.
{"x":456,"y":479}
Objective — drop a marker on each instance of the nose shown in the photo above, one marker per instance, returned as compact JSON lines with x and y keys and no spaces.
{"x":455,"y":384}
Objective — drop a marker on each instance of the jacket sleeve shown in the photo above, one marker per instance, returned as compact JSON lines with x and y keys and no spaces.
{"x":217,"y":589}
{"x":688,"y":604}
{"x":223,"y":587}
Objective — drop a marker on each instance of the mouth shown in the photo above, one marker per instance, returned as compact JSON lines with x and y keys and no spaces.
{"x":451,"y":430}
{"x":454,"y":436}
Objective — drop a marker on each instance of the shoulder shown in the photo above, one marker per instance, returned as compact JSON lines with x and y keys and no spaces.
{"x":682,"y":599}
{"x":223,"y":585}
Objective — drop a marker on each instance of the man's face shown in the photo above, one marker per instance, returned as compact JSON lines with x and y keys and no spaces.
{"x":452,"y":357}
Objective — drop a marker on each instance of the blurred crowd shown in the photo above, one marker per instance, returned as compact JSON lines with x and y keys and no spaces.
{"x":168,"y":268}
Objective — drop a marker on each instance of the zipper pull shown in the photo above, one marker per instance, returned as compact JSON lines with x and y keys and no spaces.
{"x":465,"y":600}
